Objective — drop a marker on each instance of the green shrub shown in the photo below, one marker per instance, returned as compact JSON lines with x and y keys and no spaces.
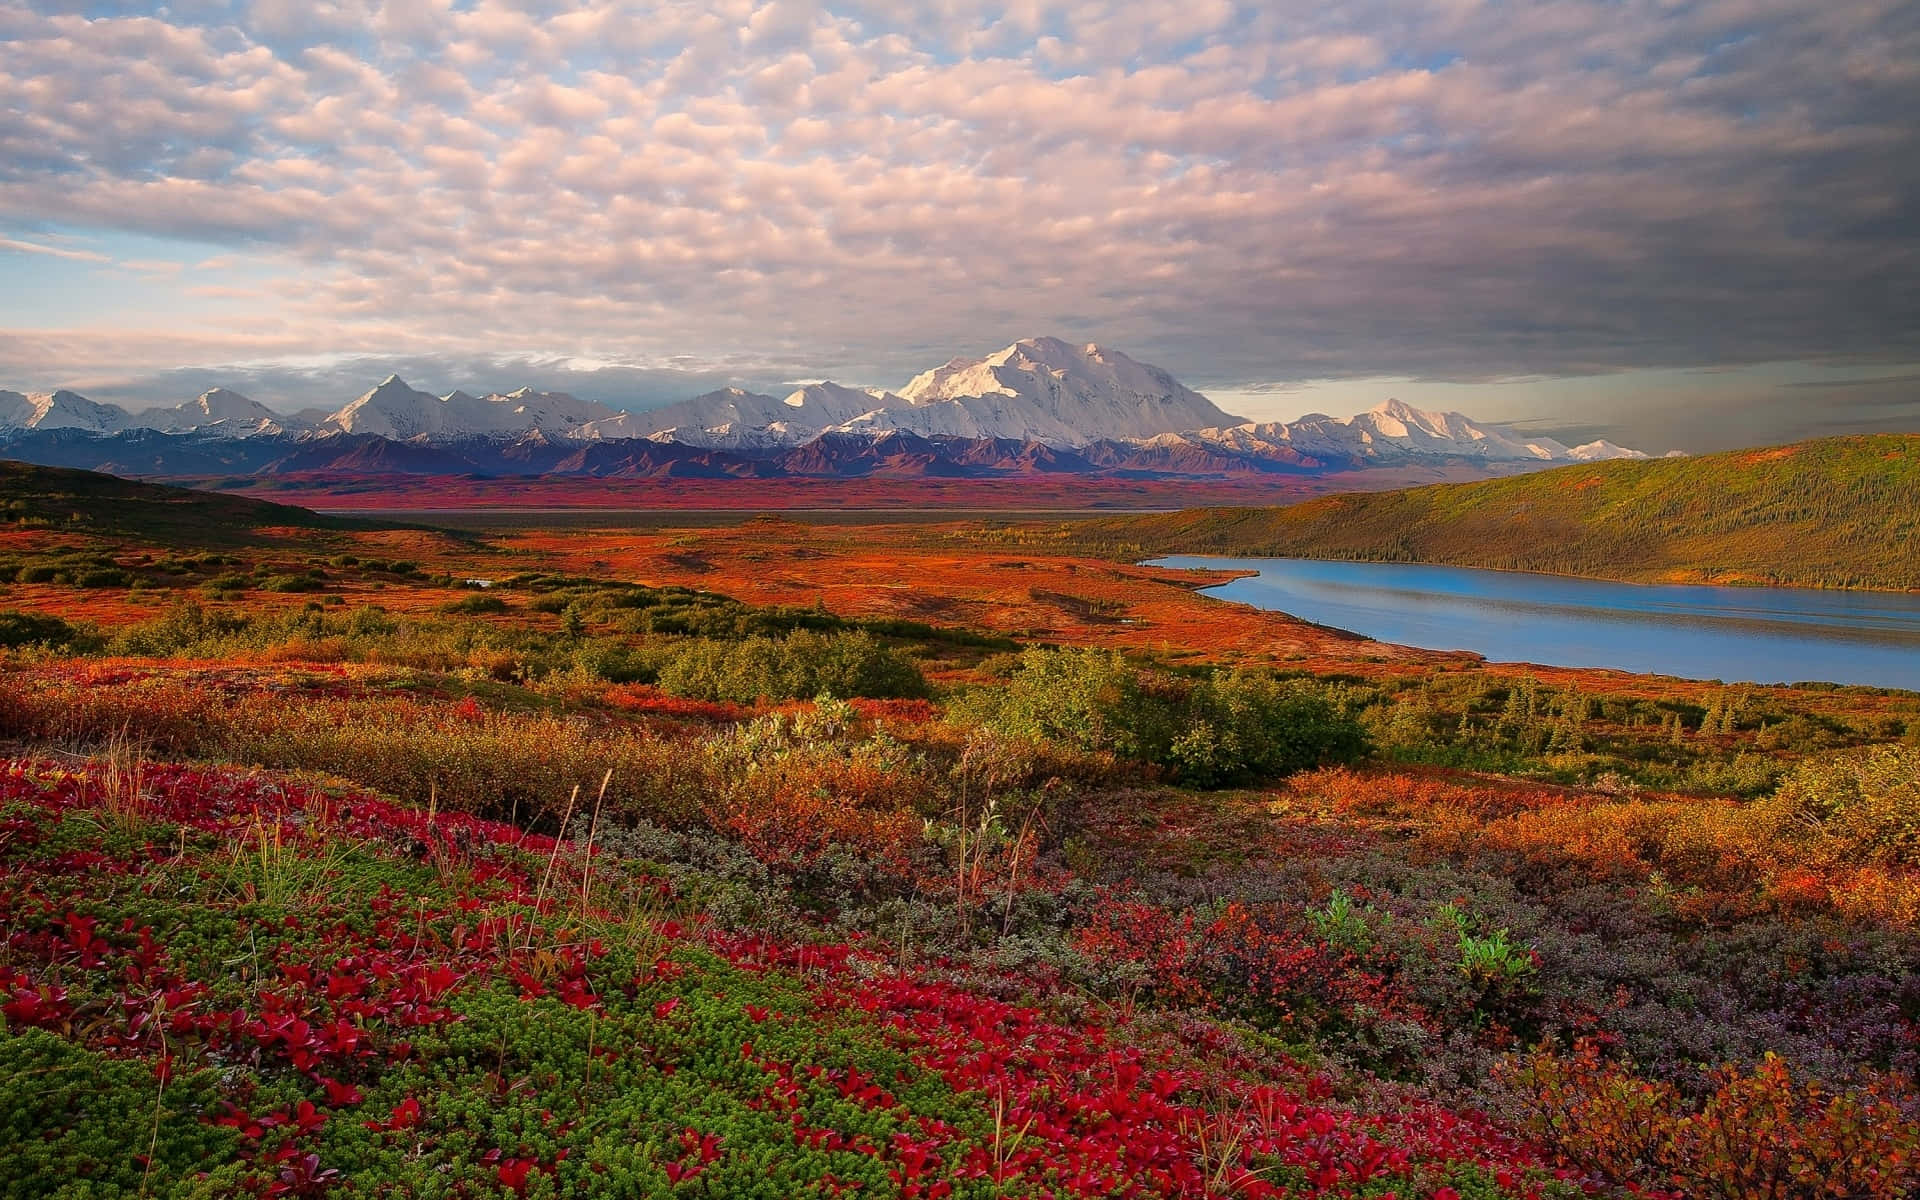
{"x":103,"y":577}
{"x":1246,"y":726}
{"x":1228,"y":728}
{"x":477,"y":604}
{"x":1863,"y":806}
{"x":183,"y":627}
{"x":291,"y":583}
{"x":801,"y":666}
{"x":32,"y":629}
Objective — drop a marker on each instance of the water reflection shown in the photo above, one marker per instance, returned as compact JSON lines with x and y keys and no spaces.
{"x":1757,"y":635}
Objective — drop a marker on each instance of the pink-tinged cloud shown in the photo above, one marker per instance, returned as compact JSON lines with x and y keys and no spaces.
{"x":1244,"y":192}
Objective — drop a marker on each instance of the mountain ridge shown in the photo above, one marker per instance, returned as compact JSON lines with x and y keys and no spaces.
{"x":1081,"y":403}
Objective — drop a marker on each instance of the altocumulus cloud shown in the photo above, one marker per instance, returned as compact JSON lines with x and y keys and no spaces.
{"x":1244,"y":192}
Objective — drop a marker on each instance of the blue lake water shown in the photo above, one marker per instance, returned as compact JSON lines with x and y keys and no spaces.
{"x":1751,"y":635}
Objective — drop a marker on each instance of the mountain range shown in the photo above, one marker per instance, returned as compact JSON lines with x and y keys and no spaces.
{"x":1037,"y":406}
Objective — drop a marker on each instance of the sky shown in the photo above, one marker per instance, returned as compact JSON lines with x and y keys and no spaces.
{"x":1674,"y":224}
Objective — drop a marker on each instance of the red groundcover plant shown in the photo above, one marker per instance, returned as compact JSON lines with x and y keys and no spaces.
{"x":218,"y":982}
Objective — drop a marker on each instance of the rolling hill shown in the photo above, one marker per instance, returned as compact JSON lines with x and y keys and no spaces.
{"x":1837,"y":512}
{"x":91,"y":502}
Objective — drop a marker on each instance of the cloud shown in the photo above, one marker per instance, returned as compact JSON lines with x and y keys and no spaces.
{"x":1831,"y":384}
{"x":52,"y":251}
{"x":1247,"y":193}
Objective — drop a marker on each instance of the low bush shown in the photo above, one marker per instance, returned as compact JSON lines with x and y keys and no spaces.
{"x":19,"y":629}
{"x":1862,"y":807}
{"x":1756,"y":1134}
{"x":292,"y":583}
{"x":478,"y":604}
{"x":1230,"y":727}
{"x":801,"y":665}
{"x":463,"y":759}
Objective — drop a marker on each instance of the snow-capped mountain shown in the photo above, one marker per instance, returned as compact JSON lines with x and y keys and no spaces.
{"x":60,"y":410}
{"x":1034,"y":400}
{"x":1044,"y":390}
{"x":1036,"y":390}
{"x":394,"y":410}
{"x":391,"y":409}
{"x":735,"y":419}
{"x":526,"y":410}
{"x":1390,"y":433}
{"x":220,"y":411}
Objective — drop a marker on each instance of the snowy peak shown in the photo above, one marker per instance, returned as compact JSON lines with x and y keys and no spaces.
{"x":391,"y":409}
{"x":1036,"y":390}
{"x":1039,"y":392}
{"x":732,"y":418}
{"x":526,"y":409}
{"x":395,"y":410}
{"x":15,"y":410}
{"x":690,"y":422}
{"x":1595,"y":451}
{"x":222,"y":411}
{"x":225,"y":404}
{"x":1043,"y":389}
{"x":831,"y":403}
{"x":1395,"y":432}
{"x":59,"y":410}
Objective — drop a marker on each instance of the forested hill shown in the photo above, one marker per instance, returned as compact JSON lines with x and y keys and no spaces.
{"x":1837,"y":512}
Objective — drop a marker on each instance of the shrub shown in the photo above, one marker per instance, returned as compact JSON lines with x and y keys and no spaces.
{"x":67,"y":1113}
{"x":292,"y":583}
{"x":1755,"y":1135}
{"x":475,"y":605}
{"x":1247,"y":726}
{"x":1087,"y":699}
{"x":182,"y":627}
{"x":468,"y":760}
{"x":32,"y":629}
{"x":1228,"y":728}
{"x":799,"y":666}
{"x":1861,"y":807}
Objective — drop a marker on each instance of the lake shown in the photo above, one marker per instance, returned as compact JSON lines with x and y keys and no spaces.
{"x":1751,"y":635}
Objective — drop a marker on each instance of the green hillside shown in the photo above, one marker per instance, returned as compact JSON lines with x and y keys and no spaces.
{"x":1838,"y":512}
{"x":91,"y":502}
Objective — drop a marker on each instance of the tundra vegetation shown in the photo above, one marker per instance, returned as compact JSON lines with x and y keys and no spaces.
{"x":330,"y":871}
{"x":1836,"y":512}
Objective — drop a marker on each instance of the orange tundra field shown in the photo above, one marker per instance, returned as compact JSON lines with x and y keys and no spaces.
{"x":1020,"y":580}
{"x":1462,"y":931}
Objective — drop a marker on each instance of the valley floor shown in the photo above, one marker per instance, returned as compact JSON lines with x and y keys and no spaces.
{"x":783,"y":859}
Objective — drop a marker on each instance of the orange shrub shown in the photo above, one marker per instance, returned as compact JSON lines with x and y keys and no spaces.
{"x":1756,"y":1135}
{"x":1722,"y":859}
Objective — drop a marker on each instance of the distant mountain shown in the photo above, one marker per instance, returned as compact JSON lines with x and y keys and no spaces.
{"x":1390,"y":433}
{"x":1044,"y":390}
{"x":394,"y":410}
{"x":221,"y":411}
{"x":1838,"y":512}
{"x":1039,"y":405}
{"x":59,"y":410}
{"x":1036,"y":390}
